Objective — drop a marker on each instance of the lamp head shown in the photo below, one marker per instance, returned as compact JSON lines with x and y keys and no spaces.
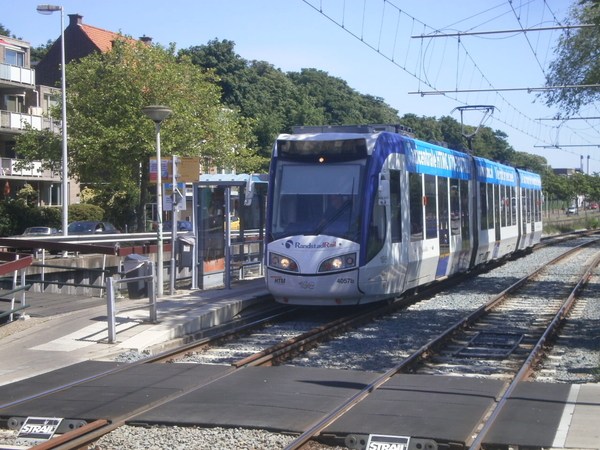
{"x":48,"y":9}
{"x":157,"y":113}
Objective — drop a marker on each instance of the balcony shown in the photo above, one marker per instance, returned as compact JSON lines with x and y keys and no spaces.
{"x":34,"y":169}
{"x":17,"y":74}
{"x":16,"y":121}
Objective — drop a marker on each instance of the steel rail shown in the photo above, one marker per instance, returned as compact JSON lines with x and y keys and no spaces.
{"x":262,"y":358}
{"x":161,"y":357}
{"x":266,"y":357}
{"x":526,"y":368}
{"x":408,"y":362}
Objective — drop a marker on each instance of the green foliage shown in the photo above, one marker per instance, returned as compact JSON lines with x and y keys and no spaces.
{"x":111,"y":140}
{"x":50,"y":217}
{"x":28,"y":196}
{"x":592,"y":223}
{"x":576,"y":61}
{"x":276,"y":101}
{"x":38,"y":53}
{"x":6,"y":32}
{"x":15,"y":216}
{"x":84,"y":212}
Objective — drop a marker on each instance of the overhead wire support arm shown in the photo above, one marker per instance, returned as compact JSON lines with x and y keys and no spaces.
{"x":487,"y":110}
{"x":518,"y":30}
{"x":567,"y":145}
{"x":528,"y":89}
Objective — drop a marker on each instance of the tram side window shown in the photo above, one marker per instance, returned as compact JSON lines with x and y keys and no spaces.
{"x":395,"y":201}
{"x":528,"y":205}
{"x":464,"y":215}
{"x":538,"y":206}
{"x":454,"y":207}
{"x":497,"y":205}
{"x":490,"y":209}
{"x":443,"y":214}
{"x":513,"y":205}
{"x":504,"y":205}
{"x":524,"y":208}
{"x":484,"y":206}
{"x":377,"y":231}
{"x":416,"y":206}
{"x":431,"y":218}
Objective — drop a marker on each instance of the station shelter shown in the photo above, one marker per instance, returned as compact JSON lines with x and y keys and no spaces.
{"x":229,"y":218}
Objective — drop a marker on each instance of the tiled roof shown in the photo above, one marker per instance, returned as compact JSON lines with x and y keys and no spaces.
{"x":101,"y":38}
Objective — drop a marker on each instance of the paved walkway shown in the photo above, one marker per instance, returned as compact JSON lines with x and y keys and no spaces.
{"x":59,"y":335}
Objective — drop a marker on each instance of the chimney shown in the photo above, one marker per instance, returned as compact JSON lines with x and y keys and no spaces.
{"x":75,"y":20}
{"x":146,"y":40}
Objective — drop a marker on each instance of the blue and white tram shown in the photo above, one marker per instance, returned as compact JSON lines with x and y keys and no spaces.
{"x":359,"y":217}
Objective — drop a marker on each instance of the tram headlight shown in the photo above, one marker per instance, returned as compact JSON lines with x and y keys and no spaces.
{"x":282,"y":262}
{"x":338,"y":263}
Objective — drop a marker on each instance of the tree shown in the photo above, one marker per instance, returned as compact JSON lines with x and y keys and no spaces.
{"x":577,"y":61}
{"x":110,"y":139}
{"x":278,"y":101}
{"x":37,"y":53}
{"x":6,"y":32}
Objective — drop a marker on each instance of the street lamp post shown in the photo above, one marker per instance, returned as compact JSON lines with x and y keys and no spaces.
{"x":49,"y":9}
{"x":157,"y":114}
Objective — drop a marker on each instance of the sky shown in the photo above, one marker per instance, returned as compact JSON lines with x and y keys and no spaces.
{"x":375,"y":46}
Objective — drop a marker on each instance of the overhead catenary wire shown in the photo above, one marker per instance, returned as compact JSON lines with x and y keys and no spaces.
{"x":424,"y":59}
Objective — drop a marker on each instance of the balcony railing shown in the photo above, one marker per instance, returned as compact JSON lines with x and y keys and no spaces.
{"x":17,"y":121}
{"x":17,"y":74}
{"x":33,"y":169}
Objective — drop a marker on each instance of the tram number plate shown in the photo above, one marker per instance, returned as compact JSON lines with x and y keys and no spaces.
{"x":345,"y":281}
{"x":383,"y":442}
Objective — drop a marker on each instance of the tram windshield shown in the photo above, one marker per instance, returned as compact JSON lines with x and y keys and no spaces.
{"x":314,"y":199}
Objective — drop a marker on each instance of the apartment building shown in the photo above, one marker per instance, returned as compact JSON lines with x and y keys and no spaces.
{"x":22,"y":104}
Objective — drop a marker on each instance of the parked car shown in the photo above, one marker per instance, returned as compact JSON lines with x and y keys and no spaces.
{"x":182,"y":225}
{"x":571,"y":210}
{"x":40,"y":231}
{"x":92,"y":228}
{"x":593,"y":205}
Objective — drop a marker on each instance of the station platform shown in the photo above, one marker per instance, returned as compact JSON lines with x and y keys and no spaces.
{"x":65,"y":330}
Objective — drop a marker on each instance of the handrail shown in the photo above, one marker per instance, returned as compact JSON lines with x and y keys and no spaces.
{"x":18,"y":264}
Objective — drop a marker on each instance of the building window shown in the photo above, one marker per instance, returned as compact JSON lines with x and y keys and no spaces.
{"x":49,"y":102}
{"x":15,"y":103}
{"x":14,"y":58}
{"x":9,"y":150}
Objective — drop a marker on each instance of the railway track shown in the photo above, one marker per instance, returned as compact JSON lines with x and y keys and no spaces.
{"x":442,"y":352}
{"x":273,"y":355}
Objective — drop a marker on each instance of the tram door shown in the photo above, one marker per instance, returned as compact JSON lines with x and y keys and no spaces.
{"x":211,"y":243}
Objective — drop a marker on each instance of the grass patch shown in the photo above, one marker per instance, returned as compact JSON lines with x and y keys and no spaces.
{"x":566,"y":226}
{"x":559,"y":227}
{"x":591,"y":223}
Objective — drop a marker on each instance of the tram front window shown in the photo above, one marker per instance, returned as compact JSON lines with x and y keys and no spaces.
{"x":317,"y":199}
